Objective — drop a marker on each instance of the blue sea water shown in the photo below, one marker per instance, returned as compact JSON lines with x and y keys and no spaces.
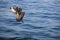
{"x":41,"y":20}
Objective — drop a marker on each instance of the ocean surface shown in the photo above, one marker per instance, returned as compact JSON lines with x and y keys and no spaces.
{"x":41,"y":20}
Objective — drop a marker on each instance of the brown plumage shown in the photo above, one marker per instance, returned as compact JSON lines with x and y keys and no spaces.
{"x":20,"y":17}
{"x":18,"y":12}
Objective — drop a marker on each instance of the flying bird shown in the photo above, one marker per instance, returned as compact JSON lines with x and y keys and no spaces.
{"x":18,"y":11}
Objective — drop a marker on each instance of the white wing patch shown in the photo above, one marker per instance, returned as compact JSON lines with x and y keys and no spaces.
{"x":13,"y":10}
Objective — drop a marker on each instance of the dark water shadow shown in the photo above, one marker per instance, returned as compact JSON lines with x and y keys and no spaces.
{"x":25,"y":38}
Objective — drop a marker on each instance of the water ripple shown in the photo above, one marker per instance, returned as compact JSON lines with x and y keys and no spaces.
{"x":41,"y":20}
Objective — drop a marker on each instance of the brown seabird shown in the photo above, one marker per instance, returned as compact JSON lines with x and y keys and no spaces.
{"x":18,"y":12}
